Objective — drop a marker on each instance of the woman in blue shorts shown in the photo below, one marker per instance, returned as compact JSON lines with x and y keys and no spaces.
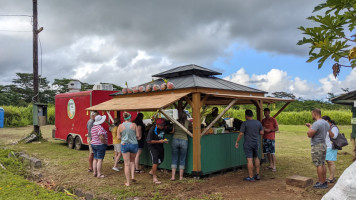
{"x":129,"y":146}
{"x":331,"y":153}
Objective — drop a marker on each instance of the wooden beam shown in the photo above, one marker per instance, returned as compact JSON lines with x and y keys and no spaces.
{"x":110,"y":117}
{"x":202,"y":103}
{"x":190,"y":102}
{"x":176,"y":122}
{"x":185,"y":105}
{"x":259,"y":108}
{"x":219,"y":116}
{"x":175,"y":105}
{"x":280,"y":110}
{"x":196,"y":132}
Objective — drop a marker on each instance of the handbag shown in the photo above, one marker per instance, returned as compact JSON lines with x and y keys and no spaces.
{"x":339,"y":142}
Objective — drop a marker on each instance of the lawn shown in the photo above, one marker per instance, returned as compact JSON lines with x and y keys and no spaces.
{"x":67,"y":167}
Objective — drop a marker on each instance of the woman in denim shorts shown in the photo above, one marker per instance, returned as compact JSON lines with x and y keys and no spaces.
{"x":99,"y":141}
{"x":129,"y":146}
{"x":179,"y":146}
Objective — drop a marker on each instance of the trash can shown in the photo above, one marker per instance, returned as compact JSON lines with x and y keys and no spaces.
{"x":2,"y":117}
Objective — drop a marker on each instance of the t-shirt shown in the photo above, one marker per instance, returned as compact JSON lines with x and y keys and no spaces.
{"x":155,"y":134}
{"x":95,"y":132}
{"x":328,"y":142}
{"x":270,"y":123}
{"x":321,"y":127}
{"x":90,"y":124}
{"x":179,"y":133}
{"x":210,"y":118}
{"x":251,"y":130}
{"x":114,"y":135}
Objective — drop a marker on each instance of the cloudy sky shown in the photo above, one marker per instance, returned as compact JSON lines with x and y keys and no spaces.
{"x":251,"y":42}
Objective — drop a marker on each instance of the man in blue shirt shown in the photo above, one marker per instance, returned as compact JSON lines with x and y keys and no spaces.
{"x":251,"y":130}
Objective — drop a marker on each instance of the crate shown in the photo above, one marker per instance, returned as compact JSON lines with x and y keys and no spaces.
{"x":219,"y":130}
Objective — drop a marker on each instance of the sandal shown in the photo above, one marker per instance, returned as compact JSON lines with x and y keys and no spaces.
{"x":157,"y":182}
{"x":101,"y":176}
{"x":268,"y":168}
{"x":172,"y":179}
{"x":90,"y":170}
{"x":95,"y":175}
{"x":133,"y":180}
{"x":138,"y":171}
{"x":274,"y":170}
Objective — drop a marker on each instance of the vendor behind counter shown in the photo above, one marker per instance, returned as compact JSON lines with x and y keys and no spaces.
{"x":210,"y":118}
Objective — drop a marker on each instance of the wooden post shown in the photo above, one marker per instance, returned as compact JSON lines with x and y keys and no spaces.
{"x":36,"y":128}
{"x":110,"y":117}
{"x":196,"y":134}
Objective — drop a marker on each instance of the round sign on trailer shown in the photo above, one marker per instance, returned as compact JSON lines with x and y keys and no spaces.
{"x":71,"y":108}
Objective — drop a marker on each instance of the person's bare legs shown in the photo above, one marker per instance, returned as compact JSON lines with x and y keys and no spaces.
{"x":250,"y":167}
{"x":321,"y":171}
{"x":332,"y":169}
{"x":273,"y":158}
{"x":181,"y":172}
{"x":137,"y":159}
{"x":91,"y":159}
{"x":257,"y":165}
{"x":154,"y":170}
{"x":95,"y":172}
{"x":269,"y":156}
{"x":353,"y":148}
{"x":173,"y":174}
{"x":98,"y":166}
{"x":116,"y":160}
{"x":132,"y":165}
{"x":126,"y":157}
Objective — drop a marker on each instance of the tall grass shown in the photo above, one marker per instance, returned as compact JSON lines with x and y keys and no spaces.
{"x":22,"y":116}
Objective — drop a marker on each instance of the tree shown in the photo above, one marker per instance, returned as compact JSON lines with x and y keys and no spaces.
{"x":333,"y":37}
{"x":283,"y":95}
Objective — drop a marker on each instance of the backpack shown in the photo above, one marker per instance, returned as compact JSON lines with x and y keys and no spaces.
{"x":340,"y":141}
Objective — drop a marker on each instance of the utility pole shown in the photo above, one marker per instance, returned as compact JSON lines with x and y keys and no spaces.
{"x":36,"y":128}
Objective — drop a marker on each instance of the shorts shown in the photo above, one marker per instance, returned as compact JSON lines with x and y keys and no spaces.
{"x":99,"y":151}
{"x":157,"y":155}
{"x":251,"y":150}
{"x":117,"y":147}
{"x":331,"y":154}
{"x":269,"y":146}
{"x":318,"y":154}
{"x":89,"y":141}
{"x":129,"y":148}
{"x":141,"y":143}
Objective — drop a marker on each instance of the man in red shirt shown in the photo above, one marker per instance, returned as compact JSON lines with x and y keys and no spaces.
{"x":270,"y":127}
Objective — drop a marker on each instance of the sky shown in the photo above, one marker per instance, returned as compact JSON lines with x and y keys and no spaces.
{"x":250,"y":42}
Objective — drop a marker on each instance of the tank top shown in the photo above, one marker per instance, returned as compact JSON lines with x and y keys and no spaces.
{"x":128,"y":136}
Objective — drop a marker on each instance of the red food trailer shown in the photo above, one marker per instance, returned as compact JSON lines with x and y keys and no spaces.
{"x":71,"y":116}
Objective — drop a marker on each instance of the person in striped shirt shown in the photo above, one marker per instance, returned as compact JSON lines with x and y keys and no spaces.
{"x":99,"y":141}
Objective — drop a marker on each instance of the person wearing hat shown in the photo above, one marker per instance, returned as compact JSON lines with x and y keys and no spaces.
{"x":129,"y":135}
{"x":99,"y":141}
{"x":90,"y":124}
{"x":155,"y":140}
{"x":116,"y":143}
{"x":210,"y":118}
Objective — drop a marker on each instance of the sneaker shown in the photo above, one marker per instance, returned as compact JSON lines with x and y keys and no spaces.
{"x":319,"y":185}
{"x":116,"y":169}
{"x":257,"y":177}
{"x":316,"y":185}
{"x":249,"y":179}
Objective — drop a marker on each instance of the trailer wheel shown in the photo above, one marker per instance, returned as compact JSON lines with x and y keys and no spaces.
{"x":78,"y":143}
{"x":70,"y":142}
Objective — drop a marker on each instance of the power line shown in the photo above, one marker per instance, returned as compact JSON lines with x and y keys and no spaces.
{"x":16,"y":16}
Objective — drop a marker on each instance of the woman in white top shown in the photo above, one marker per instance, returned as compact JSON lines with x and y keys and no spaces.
{"x":331,"y":153}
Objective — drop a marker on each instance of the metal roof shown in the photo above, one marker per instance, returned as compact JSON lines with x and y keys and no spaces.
{"x":186,"y":70}
{"x":345,"y":99}
{"x":194,"y":81}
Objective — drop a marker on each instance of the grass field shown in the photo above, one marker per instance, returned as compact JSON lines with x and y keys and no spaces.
{"x":67,"y":167}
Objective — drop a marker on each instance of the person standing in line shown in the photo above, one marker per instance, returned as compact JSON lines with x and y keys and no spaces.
{"x":251,"y":130}
{"x":155,"y":140}
{"x":331,"y":153}
{"x":270,"y":127}
{"x":141,"y":129}
{"x":317,"y":134}
{"x":117,"y":144}
{"x":99,"y":144}
{"x":89,"y":126}
{"x":179,"y":146}
{"x":129,"y":135}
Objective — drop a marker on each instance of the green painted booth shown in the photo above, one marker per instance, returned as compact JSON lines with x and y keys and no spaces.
{"x":218,"y":152}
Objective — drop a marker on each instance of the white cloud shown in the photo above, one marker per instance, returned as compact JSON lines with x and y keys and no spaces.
{"x":278,"y":80}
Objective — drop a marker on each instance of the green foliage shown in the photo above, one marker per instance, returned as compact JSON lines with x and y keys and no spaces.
{"x":22,"y":116}
{"x":328,"y":39}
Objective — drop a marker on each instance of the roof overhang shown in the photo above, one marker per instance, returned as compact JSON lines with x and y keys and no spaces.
{"x":224,"y":99}
{"x":139,"y":103}
{"x":345,"y":99}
